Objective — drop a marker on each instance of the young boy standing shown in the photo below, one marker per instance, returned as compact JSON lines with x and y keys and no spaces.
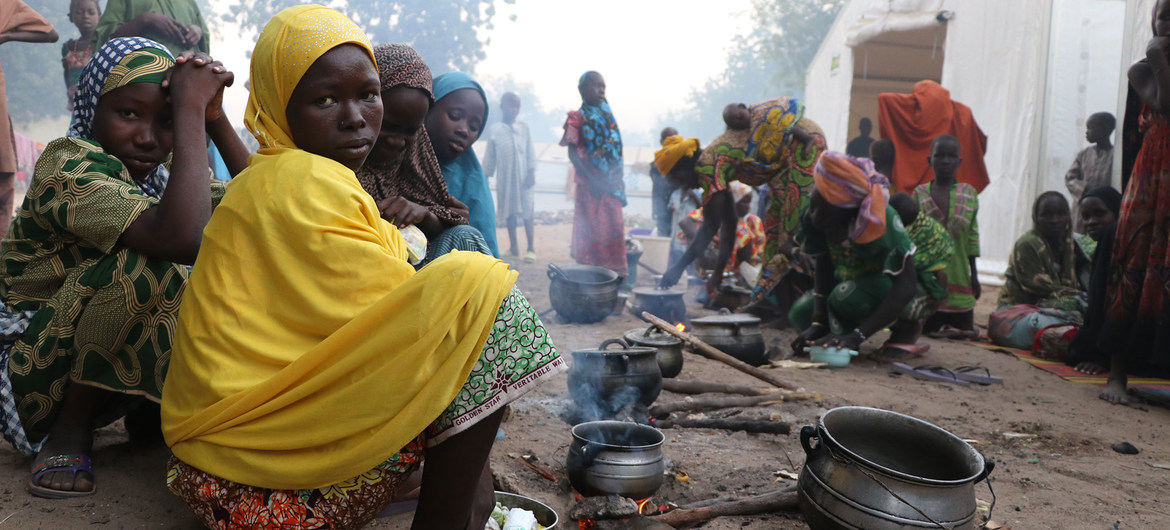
{"x":1093,"y":167}
{"x":511,"y":157}
{"x":955,"y":205}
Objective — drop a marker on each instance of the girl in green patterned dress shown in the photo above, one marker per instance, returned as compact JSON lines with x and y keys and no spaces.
{"x":93,"y":266}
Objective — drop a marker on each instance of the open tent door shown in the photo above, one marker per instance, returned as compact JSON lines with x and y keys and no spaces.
{"x":892,"y":62}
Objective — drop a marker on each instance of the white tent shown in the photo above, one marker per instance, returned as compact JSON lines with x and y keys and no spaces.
{"x":1032,"y":71}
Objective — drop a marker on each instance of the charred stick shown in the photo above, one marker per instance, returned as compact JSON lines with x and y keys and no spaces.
{"x":757,"y":426}
{"x":648,"y":268}
{"x":713,"y":353}
{"x":769,"y":502}
{"x":663,"y":410}
{"x":538,"y":468}
{"x":683,"y":386}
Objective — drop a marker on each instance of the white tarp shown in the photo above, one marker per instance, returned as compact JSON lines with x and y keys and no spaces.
{"x":1030,"y":78}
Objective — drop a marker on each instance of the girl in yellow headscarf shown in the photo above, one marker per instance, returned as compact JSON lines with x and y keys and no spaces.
{"x":312,"y":364}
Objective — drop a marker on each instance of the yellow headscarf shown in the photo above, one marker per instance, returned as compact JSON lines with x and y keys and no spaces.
{"x":288,"y":46}
{"x":674,"y":148}
{"x":308,"y":350}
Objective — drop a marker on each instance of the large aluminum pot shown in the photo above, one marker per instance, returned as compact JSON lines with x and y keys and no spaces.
{"x":737,"y":335}
{"x":582,"y":293}
{"x":615,"y":458}
{"x":875,"y":469}
{"x":603,"y":381}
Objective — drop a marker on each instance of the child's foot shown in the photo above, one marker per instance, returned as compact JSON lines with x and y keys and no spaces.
{"x":530,"y":256}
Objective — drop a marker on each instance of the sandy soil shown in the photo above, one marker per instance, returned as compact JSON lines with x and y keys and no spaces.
{"x":1065,"y":477}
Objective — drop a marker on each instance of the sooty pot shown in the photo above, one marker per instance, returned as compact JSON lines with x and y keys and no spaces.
{"x":611,"y":379}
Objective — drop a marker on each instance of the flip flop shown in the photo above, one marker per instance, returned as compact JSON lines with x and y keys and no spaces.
{"x":978,"y":375}
{"x":930,"y":372}
{"x":891,"y":352}
{"x":530,"y":257}
{"x":951,"y":332}
{"x":73,"y":463}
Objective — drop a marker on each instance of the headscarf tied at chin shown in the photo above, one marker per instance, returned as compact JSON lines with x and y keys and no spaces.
{"x":674,"y":148}
{"x":288,"y":46}
{"x":848,"y":182}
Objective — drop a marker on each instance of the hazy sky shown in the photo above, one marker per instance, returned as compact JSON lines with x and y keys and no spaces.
{"x":651,"y":52}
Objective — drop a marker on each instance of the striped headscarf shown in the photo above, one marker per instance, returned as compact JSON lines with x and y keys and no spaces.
{"x":848,"y":182}
{"x":120,"y":62}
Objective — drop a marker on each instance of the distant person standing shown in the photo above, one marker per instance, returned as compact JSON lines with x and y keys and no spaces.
{"x":18,"y":23}
{"x":859,"y":147}
{"x":1093,"y":166}
{"x":595,"y":150}
{"x":176,"y":24}
{"x":511,"y":156}
{"x":661,"y":192}
{"x":75,"y":53}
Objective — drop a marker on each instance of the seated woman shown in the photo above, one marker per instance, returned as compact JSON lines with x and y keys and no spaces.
{"x":1099,"y":209}
{"x":339,"y":363}
{"x":865,"y":279}
{"x":1045,"y":264}
{"x":455,"y":122}
{"x":402,"y":173}
{"x":93,"y":266}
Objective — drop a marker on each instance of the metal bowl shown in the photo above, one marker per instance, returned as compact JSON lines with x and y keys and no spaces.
{"x":544,"y":515}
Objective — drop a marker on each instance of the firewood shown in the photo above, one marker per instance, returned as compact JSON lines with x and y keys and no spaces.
{"x":757,"y":426}
{"x":663,"y":410}
{"x":713,"y":353}
{"x":684,"y":386}
{"x":537,"y":468}
{"x":766,"y":503}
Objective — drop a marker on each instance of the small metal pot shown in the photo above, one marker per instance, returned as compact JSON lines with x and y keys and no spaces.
{"x":615,"y":458}
{"x":666,"y":304}
{"x":737,"y":335}
{"x":582,"y":293}
{"x":670,"y":357}
{"x":611,"y":379}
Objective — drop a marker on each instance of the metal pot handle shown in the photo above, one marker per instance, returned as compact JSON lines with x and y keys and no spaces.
{"x":588,"y":454}
{"x":988,"y":467}
{"x":807,"y":433}
{"x":555,"y":272}
{"x":605,"y":343}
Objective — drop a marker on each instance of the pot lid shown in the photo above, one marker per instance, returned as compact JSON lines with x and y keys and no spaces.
{"x":654,"y":291}
{"x":651,"y":336}
{"x":728,"y":318}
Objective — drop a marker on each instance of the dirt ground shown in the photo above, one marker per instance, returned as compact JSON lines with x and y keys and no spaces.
{"x":1066,"y":476}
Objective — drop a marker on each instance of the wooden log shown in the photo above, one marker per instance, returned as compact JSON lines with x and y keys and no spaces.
{"x":663,"y":410}
{"x":766,"y":503}
{"x":713,"y":353}
{"x":538,"y":468}
{"x":684,"y":386}
{"x":757,"y":426}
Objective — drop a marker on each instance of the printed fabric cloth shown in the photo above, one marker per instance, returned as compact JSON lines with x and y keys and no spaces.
{"x":749,"y":233}
{"x":1043,"y":276}
{"x":186,"y":12}
{"x":961,"y":222}
{"x":74,"y":56}
{"x":933,"y":249}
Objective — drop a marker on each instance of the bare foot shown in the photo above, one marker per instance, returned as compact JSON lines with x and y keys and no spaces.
{"x":1115,"y":392}
{"x":1089,"y":368}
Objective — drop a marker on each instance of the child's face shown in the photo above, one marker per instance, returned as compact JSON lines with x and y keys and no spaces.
{"x":594,"y":90}
{"x":945,"y":159}
{"x":85,"y":16}
{"x":1051,"y":217}
{"x":404,"y":110}
{"x":455,"y":122}
{"x":133,"y":123}
{"x":335,"y":110}
{"x":1162,"y":19}
{"x":1097,"y":131}
{"x":510,"y":107}
{"x":1096,"y":217}
{"x":737,"y":116}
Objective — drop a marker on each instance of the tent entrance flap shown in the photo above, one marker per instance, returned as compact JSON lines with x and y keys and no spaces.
{"x":892,"y":62}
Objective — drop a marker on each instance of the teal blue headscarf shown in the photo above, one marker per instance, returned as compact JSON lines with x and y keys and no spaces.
{"x":464,"y":175}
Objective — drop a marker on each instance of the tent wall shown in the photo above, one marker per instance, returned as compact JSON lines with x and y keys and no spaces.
{"x":1020,"y":89}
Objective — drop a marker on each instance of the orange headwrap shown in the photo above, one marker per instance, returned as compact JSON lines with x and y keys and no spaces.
{"x":674,"y":148}
{"x":849,"y":182}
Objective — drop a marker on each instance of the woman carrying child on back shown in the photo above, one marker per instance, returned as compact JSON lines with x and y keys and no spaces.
{"x":341,"y":366}
{"x":93,"y":266}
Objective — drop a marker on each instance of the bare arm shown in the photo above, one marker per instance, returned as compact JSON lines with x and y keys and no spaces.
{"x":20,"y":35}
{"x":712,"y":214}
{"x":727,"y":224}
{"x":231,"y":147}
{"x":1151,"y":78}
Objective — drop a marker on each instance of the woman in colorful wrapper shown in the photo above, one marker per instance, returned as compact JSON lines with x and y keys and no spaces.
{"x":865,"y":277}
{"x":595,"y":150}
{"x":341,"y":367}
{"x":94,"y":265}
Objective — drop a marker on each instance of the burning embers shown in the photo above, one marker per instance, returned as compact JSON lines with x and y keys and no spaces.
{"x":616,"y":512}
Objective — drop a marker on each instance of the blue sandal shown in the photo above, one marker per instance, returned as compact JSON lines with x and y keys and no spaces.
{"x":72,"y":463}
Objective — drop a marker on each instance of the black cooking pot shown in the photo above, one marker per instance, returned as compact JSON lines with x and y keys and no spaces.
{"x":612,"y":379}
{"x":666,"y":304}
{"x":582,"y":294}
{"x":737,"y":335}
{"x":670,"y":357}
